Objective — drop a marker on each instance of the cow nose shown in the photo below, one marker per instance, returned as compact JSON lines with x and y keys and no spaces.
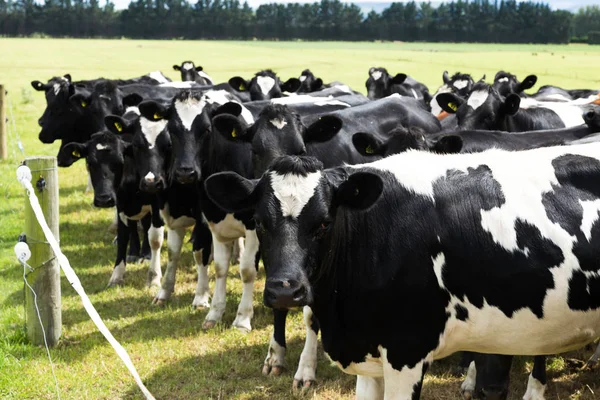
{"x":186,"y":175}
{"x":589,"y":115}
{"x":495,"y":394}
{"x":284,"y":293}
{"x":40,"y":122}
{"x":104,"y":201}
{"x":152,"y":184}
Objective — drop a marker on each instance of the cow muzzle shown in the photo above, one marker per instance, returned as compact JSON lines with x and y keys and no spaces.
{"x":186,"y":176}
{"x":104,"y":201}
{"x":285,"y":293}
{"x":152,"y":185}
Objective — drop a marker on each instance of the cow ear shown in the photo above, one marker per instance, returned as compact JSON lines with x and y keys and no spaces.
{"x":199,"y":68}
{"x":323,"y":129}
{"x":177,"y":67}
{"x":230,"y":127}
{"x":153,"y":111}
{"x":291,"y":85}
{"x":230,"y":107}
{"x":239,"y":84}
{"x":72,"y":152}
{"x":449,"y":102}
{"x":528,"y":83}
{"x":116,"y":124}
{"x":68,"y":77}
{"x":399,"y":79}
{"x":132,"y":100}
{"x":445,"y":77}
{"x":512,"y":104}
{"x":80,"y":101}
{"x":449,"y":144}
{"x":39,"y":86}
{"x":316,"y":84}
{"x":368,"y":144}
{"x":360,"y":191}
{"x":231,"y":192}
{"x":371,"y":70}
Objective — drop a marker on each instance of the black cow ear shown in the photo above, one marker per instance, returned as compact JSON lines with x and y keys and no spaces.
{"x":177,"y":67}
{"x":72,"y":152}
{"x":445,"y":77}
{"x":449,"y":144}
{"x":80,"y":101}
{"x":199,"y":68}
{"x":528,"y":83}
{"x":399,"y":79}
{"x":371,"y":70}
{"x":230,"y":127}
{"x":512,"y":104}
{"x":291,"y":85}
{"x":153,"y":111}
{"x":116,"y":125}
{"x":68,"y":77}
{"x":449,"y":102}
{"x":39,"y":86}
{"x":361,"y":190}
{"x":230,"y":107}
{"x":316,"y":84}
{"x":132,"y":100}
{"x":323,"y":129}
{"x":231,"y":192}
{"x":239,"y":84}
{"x":368,"y":144}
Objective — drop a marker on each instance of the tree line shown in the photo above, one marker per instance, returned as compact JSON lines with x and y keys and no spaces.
{"x":504,"y":21}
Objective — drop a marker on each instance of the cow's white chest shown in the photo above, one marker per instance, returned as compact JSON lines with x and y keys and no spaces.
{"x":176,"y":223}
{"x":372,"y":366}
{"x":144,"y":211}
{"x":265,"y":83}
{"x":228,"y":229}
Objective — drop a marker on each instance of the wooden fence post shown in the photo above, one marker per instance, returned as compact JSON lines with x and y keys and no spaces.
{"x":3,"y":145}
{"x":45,"y":279}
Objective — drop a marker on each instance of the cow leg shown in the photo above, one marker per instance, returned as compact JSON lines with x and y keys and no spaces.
{"x":134,"y":243}
{"x":222,"y":255}
{"x":115,"y":222}
{"x":238,"y":250}
{"x":307,"y":367}
{"x":464,"y":364}
{"x":368,"y":388}
{"x":248,"y":266}
{"x":122,"y":239}
{"x":155,"y":237}
{"x":146,"y":253}
{"x":493,"y":376}
{"x":202,"y":250}
{"x":404,"y":384}
{"x":536,"y":386}
{"x":468,"y":386}
{"x":275,"y":361}
{"x":174,"y":243}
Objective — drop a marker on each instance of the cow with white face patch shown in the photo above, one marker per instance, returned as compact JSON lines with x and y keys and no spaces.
{"x":381,"y":84}
{"x":374,"y":248}
{"x":264,"y":85}
{"x":459,"y":84}
{"x":486,"y":109}
{"x":309,"y":82}
{"x":193,"y":73}
{"x":506,"y":83}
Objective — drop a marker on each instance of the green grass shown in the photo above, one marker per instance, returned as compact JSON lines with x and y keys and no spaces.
{"x":176,"y":359}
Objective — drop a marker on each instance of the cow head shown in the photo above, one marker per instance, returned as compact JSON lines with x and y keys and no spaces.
{"x":379,"y":84}
{"x":309,"y":83}
{"x":294,"y":204}
{"x":400,"y":140}
{"x":58,"y":116}
{"x":193,"y":73}
{"x":265,"y":85}
{"x":484,"y":109}
{"x":506,"y":83}
{"x":104,"y":155}
{"x":277,"y":132}
{"x":459,"y":84}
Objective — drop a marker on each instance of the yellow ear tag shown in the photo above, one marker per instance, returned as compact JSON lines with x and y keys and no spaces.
{"x":119,"y":126}
{"x":242,"y":87}
{"x":370,"y":150}
{"x":453,"y":106}
{"x":84,"y":103}
{"x":76,"y":154}
{"x":157,"y":116}
{"x":233,"y":133}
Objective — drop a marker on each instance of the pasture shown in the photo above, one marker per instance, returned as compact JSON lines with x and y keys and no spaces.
{"x":174,"y":356}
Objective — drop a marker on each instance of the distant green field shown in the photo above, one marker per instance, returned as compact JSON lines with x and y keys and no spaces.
{"x":176,"y":359}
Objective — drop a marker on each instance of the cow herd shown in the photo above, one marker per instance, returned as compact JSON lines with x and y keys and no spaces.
{"x":409,"y":225}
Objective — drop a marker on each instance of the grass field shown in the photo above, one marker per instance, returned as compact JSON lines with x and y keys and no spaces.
{"x":176,"y":359}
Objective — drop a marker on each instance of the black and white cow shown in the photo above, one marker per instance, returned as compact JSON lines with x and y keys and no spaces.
{"x":459,"y":84}
{"x":555,"y":93}
{"x":506,"y":83}
{"x":191,"y":72}
{"x":381,"y":84}
{"x":402,"y":268}
{"x":264,"y":85}
{"x":115,"y":182}
{"x":194,"y":151}
{"x":309,"y":82}
{"x":487,"y":109}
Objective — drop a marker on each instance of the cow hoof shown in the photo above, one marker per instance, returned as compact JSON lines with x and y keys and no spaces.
{"x":200,"y":302}
{"x":158,"y":302}
{"x":302,"y":385}
{"x":112,"y":284}
{"x":155,"y":282}
{"x":209,"y":324}
{"x":269,"y":370}
{"x":467,"y":395}
{"x":242,"y":324}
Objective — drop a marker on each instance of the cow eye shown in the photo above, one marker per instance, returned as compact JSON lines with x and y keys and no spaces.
{"x":322,"y":229}
{"x":259,"y":226}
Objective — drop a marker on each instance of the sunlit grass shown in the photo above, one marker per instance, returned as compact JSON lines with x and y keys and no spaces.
{"x":176,"y":359}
